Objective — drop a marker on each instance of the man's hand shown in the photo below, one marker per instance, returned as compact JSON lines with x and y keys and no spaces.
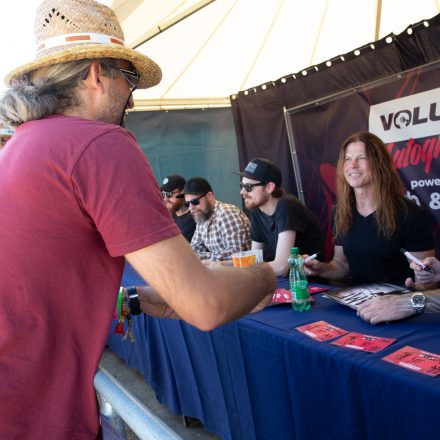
{"x":386,"y":308}
{"x":313,"y":267}
{"x":153,"y":304}
{"x":422,"y":277}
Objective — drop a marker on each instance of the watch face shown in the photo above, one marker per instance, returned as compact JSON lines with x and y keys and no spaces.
{"x":418,"y":302}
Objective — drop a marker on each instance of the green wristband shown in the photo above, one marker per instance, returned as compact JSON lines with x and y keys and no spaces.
{"x":118,"y":304}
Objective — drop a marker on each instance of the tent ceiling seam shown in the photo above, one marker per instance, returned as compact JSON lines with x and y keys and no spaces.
{"x":318,"y":36}
{"x":166,"y":24}
{"x":200,"y":49}
{"x":263,"y":43}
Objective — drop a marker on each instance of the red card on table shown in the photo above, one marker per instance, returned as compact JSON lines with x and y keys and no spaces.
{"x":321,"y":330}
{"x":285,"y":296}
{"x":362,"y":342}
{"x":416,"y":360}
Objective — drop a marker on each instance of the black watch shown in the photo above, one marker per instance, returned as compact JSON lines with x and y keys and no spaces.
{"x":418,"y":302}
{"x":133,"y":300}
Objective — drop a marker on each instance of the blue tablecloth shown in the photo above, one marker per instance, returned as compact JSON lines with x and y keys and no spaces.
{"x":260,"y":378}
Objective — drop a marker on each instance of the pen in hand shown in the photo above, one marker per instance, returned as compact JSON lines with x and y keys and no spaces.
{"x":416,"y":260}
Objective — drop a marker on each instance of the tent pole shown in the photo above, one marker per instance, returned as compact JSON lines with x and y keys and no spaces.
{"x":294,"y":154}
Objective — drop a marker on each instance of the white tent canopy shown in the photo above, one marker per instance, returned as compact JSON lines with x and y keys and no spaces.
{"x":211,"y":49}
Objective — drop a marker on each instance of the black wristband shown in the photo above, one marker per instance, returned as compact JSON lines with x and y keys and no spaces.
{"x":133,"y":299}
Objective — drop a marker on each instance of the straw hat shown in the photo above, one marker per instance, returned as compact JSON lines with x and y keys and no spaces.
{"x":67,"y":30}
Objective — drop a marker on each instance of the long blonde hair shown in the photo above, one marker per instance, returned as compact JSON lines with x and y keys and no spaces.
{"x":387,"y":186}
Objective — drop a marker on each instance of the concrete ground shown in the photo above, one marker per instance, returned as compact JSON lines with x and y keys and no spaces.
{"x":135,"y":383}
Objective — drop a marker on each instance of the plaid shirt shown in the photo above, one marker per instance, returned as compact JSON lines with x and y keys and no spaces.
{"x":226,"y":232}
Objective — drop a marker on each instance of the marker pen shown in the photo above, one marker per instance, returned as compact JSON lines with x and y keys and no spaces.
{"x":311,"y":257}
{"x":416,"y":260}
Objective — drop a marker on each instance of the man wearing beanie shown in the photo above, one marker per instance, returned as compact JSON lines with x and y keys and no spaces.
{"x":222,"y":229}
{"x":279,"y":221}
{"x":172,"y":193}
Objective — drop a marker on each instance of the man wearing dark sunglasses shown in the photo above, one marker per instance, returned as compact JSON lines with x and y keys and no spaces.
{"x":221,"y":228}
{"x":172,"y":194}
{"x":279,"y":221}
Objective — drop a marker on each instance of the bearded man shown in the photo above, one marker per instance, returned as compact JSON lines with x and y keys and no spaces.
{"x":221,"y":228}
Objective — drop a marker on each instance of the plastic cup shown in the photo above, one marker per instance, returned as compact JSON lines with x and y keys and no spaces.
{"x":247,"y":258}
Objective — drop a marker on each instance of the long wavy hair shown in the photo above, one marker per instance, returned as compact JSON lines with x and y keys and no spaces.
{"x":387,"y":186}
{"x":48,"y":90}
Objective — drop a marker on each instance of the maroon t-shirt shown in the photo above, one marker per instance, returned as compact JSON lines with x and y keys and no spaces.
{"x":75,"y":196}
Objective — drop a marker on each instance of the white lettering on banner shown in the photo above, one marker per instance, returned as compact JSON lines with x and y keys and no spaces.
{"x":434,"y":202}
{"x":412,"y":197}
{"x":415,"y":116}
{"x":424,"y":182}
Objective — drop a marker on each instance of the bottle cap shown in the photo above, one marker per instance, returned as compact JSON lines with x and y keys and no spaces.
{"x":294,"y":250}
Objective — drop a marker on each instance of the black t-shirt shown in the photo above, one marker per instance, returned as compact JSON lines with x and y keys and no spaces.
{"x":186,"y":224}
{"x":290,"y":215}
{"x":374,"y":258}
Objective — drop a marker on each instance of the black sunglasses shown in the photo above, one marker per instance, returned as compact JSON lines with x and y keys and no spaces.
{"x":248,"y":186}
{"x":170,"y":194}
{"x":195,"y":201}
{"x":131,"y":76}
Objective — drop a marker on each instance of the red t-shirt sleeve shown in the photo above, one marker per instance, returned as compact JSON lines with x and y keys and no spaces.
{"x":117,"y":190}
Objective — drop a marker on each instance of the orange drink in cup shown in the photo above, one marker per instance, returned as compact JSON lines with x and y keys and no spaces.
{"x":247,"y":258}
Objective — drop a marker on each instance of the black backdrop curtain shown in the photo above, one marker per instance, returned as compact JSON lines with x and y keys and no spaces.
{"x":258,"y":112}
{"x":259,"y":116}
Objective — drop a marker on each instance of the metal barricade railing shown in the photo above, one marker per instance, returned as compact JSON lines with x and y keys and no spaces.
{"x":117,"y":402}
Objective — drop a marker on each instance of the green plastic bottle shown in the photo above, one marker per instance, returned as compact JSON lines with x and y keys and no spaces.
{"x":298,"y":281}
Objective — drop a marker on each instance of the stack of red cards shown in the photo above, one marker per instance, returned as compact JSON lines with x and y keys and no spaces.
{"x":321,"y":330}
{"x":358,"y":341}
{"x":416,"y":360}
{"x":281,"y":296}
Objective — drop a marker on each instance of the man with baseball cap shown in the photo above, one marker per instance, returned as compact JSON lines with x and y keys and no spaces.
{"x":172,"y":193}
{"x":5,"y":134}
{"x":279,"y":221}
{"x":77,"y":198}
{"x":221,"y":228}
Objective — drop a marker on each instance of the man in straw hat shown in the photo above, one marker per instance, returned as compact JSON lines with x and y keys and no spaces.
{"x":77,"y":196}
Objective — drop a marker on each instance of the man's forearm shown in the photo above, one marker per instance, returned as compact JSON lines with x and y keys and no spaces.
{"x":262,"y":283}
{"x":153,"y":304}
{"x":246,"y":288}
{"x":432,"y":304}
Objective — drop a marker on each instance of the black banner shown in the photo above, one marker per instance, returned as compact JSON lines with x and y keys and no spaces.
{"x":403,"y":111}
